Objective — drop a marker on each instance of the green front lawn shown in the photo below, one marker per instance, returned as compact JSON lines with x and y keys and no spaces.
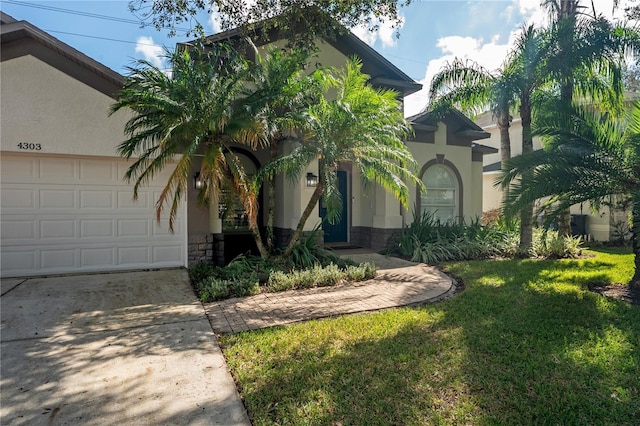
{"x":525,"y":343}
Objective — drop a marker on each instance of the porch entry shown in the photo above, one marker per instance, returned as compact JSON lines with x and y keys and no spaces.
{"x":337,"y":233}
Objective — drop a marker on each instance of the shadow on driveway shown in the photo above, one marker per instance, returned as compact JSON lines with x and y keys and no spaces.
{"x":122,"y":348}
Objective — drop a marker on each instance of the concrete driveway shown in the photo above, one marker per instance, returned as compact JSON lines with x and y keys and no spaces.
{"x":106,"y":349}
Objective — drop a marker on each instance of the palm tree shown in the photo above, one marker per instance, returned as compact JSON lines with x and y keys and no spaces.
{"x":525,"y":71}
{"x":586,"y":60}
{"x":513,"y":86}
{"x":473,"y":88}
{"x":198,"y":110}
{"x":588,"y":157}
{"x":278,"y":97}
{"x":361,"y":125}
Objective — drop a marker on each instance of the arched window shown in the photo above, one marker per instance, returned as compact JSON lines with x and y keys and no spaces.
{"x":442,"y":193}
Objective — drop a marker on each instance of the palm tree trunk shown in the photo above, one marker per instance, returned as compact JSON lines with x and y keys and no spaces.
{"x":271,"y":199}
{"x":526,"y":214}
{"x":303,"y":219}
{"x":253,"y":226}
{"x":505,"y":145}
{"x":634,"y":284}
{"x":567,"y":12}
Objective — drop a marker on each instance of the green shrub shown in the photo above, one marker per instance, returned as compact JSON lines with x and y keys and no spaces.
{"x":280,"y":281}
{"x":428,"y":240}
{"x":212,"y":289}
{"x":215,"y":288}
{"x":364,"y":271}
{"x":244,"y":275}
{"x":319,"y":276}
{"x":550,"y":244}
{"x":244,"y":286}
{"x":199,"y":271}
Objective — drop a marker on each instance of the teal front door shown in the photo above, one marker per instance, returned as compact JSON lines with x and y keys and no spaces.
{"x":337,"y":232}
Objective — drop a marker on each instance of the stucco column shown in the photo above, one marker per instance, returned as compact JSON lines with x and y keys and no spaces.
{"x":387,"y":211}
{"x":301,"y":196}
{"x":215,"y":223}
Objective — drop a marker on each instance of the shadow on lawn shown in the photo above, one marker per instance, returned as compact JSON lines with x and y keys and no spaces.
{"x":521,"y":352}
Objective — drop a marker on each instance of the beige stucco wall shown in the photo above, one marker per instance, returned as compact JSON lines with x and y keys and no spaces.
{"x":42,"y":105}
{"x":363,"y":201}
{"x":491,"y":195}
{"x":515,"y":135}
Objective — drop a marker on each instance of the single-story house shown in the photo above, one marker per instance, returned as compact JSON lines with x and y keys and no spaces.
{"x":67,"y":209}
{"x":449,"y":158}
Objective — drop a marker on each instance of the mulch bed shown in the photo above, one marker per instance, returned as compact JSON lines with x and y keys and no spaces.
{"x":617,"y":291}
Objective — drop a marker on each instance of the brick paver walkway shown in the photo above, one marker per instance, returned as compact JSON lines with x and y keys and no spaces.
{"x":400,"y":283}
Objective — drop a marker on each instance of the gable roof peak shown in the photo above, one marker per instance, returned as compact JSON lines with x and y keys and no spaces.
{"x":343,"y":40}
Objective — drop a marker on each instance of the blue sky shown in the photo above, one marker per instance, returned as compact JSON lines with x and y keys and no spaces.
{"x":433,"y":32}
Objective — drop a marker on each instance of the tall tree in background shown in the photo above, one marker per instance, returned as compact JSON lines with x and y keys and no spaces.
{"x":320,"y":17}
{"x":586,"y":61}
{"x":526,"y":72}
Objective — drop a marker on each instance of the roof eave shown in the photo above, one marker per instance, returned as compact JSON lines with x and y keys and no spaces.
{"x":474,"y":134}
{"x":19,"y":30}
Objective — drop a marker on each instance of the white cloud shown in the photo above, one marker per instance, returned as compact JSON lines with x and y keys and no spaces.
{"x":534,"y":13}
{"x":490,"y":55}
{"x":151,"y":51}
{"x":215,"y":21}
{"x":386,"y":32}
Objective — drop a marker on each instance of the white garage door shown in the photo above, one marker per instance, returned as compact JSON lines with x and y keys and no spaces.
{"x":72,"y":214}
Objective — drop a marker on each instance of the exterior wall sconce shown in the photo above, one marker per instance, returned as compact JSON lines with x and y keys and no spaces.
{"x":312,"y":180}
{"x":197,"y":182}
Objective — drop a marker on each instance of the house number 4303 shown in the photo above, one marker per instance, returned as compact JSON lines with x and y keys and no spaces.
{"x":30,"y":146}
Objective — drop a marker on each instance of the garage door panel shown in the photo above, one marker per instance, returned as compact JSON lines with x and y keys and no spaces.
{"x":58,"y":229}
{"x":134,"y":227}
{"x":57,"y":199}
{"x":97,"y":228}
{"x":72,"y":222}
{"x":92,"y":257}
{"x":166,"y":254}
{"x":57,"y":169}
{"x":126,"y":201}
{"x":98,"y":172}
{"x":93,"y":199}
{"x":18,"y":230}
{"x":58,"y":259}
{"x":133,"y":255}
{"x":19,"y":169}
{"x":163,"y":230}
{"x":13,"y":261}
{"x":18,"y":198}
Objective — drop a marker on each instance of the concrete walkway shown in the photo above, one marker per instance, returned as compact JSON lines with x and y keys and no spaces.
{"x":398,"y":283}
{"x":111,"y":349}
